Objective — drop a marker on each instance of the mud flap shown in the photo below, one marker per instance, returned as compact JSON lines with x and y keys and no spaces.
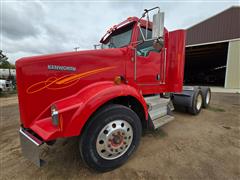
{"x":30,"y":146}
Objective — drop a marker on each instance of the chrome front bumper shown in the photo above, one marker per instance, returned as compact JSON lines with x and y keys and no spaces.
{"x":30,"y":146}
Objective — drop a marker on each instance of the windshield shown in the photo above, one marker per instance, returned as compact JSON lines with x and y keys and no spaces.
{"x":119,"y":38}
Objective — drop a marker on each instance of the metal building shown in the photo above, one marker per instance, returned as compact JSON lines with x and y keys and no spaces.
{"x":213,"y":51}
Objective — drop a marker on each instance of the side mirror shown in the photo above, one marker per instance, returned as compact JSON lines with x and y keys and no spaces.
{"x":158,"y":25}
{"x":157,"y":28}
{"x":158,"y":44}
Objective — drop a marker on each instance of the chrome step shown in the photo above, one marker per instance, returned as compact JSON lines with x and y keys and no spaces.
{"x":170,"y":105}
{"x":157,"y":107}
{"x":158,"y":112}
{"x":156,"y":100}
{"x":162,"y":120}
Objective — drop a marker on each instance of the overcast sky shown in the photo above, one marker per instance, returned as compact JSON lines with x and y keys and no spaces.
{"x":43,"y":27}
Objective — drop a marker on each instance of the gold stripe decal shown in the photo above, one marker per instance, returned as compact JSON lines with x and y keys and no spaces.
{"x":63,"y":82}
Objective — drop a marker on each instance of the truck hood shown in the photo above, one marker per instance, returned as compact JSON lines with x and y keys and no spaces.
{"x":43,"y":80}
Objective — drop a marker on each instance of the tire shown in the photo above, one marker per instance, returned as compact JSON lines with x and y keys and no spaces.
{"x":113,"y":127}
{"x":197,"y":102}
{"x":206,"y":96}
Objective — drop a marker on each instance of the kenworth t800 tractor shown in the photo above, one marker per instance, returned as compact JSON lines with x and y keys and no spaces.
{"x":107,"y":96}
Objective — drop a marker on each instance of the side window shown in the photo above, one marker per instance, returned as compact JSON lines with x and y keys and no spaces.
{"x":144,"y":48}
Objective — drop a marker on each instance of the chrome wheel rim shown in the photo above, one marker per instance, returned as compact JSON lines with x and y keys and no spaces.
{"x":208,"y":97}
{"x":199,"y":101}
{"x":114,"y":139}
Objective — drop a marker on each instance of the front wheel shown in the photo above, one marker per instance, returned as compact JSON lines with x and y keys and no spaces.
{"x":110,"y":138}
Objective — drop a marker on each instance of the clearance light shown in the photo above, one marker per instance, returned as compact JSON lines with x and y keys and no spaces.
{"x":54,"y":114}
{"x":118,"y":80}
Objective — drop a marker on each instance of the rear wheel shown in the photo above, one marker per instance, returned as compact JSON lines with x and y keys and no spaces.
{"x":110,"y":138}
{"x":206,"y":96}
{"x":197,"y":102}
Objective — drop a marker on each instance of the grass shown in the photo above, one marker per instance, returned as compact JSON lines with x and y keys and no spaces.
{"x":216,"y":109}
{"x":8,"y":94}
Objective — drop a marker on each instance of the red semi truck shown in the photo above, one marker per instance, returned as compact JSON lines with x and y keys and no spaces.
{"x":106,"y":96}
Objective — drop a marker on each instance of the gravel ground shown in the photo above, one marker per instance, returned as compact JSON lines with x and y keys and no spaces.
{"x":206,"y":146}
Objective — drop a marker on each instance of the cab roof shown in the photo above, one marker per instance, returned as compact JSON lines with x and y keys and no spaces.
{"x":129,"y":20}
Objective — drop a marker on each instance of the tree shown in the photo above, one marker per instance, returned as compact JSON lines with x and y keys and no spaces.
{"x":4,"y":63}
{"x":3,"y":57}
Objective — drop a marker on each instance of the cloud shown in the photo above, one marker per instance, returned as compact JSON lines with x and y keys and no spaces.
{"x":26,"y":30}
{"x":19,"y":21}
{"x":43,"y":27}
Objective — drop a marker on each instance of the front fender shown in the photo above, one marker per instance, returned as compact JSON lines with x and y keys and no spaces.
{"x":82,"y":105}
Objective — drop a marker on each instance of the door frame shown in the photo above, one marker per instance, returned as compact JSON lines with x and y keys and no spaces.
{"x":162,"y":81}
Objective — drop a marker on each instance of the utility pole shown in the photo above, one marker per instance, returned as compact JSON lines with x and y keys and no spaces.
{"x":76,"y":48}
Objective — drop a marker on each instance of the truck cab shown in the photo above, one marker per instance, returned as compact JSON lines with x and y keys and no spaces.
{"x":151,"y":70}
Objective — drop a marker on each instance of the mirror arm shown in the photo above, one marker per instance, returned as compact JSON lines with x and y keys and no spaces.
{"x":141,"y":32}
{"x":143,"y":15}
{"x":146,"y":12}
{"x":152,"y":9}
{"x":147,"y":25}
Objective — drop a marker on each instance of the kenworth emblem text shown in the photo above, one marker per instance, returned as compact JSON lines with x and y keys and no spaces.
{"x":61,"y":68}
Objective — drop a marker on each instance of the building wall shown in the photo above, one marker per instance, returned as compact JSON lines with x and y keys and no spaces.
{"x":232,"y":79}
{"x":221,"y":27}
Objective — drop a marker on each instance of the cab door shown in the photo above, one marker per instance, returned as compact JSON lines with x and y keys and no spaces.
{"x":149,"y":62}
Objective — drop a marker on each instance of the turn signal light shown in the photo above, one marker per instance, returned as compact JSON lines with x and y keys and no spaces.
{"x":118,"y":80}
